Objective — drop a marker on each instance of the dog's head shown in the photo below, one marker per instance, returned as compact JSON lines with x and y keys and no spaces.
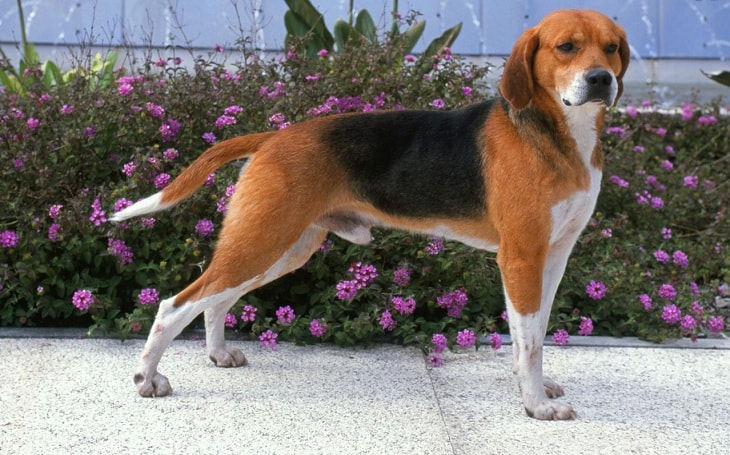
{"x":576,"y":56}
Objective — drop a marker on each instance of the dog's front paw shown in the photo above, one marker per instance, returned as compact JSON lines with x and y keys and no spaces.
{"x":228,"y":357}
{"x":155,"y":385}
{"x":551,"y":410}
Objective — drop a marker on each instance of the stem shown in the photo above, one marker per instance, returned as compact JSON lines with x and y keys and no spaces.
{"x":351,"y":15}
{"x":23,"y":38}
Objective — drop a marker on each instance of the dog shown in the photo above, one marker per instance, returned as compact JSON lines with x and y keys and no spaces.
{"x":518,"y":175}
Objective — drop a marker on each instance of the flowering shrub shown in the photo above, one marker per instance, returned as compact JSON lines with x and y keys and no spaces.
{"x":651,"y":263}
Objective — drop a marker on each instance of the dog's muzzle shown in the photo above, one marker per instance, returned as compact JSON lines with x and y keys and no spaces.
{"x":597,"y":85}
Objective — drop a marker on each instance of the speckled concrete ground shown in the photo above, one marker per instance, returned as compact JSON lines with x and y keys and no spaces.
{"x":77,"y":396}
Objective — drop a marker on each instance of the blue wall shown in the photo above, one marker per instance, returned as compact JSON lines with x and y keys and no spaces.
{"x":656,"y":28}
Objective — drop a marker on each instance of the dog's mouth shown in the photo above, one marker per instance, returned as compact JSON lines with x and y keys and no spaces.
{"x":605,"y":101}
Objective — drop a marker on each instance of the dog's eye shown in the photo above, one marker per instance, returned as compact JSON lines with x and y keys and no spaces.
{"x":566,"y":47}
{"x":612,"y":48}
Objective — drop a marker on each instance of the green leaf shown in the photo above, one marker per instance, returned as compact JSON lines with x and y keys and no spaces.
{"x":721,"y":77}
{"x":11,"y":83}
{"x":312,"y":19}
{"x":413,"y":34}
{"x":31,"y":56}
{"x":51,"y":74}
{"x":345,"y":35}
{"x":445,"y":40}
{"x":365,"y":25}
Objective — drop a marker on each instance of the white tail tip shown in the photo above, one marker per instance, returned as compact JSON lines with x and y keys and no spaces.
{"x":147,"y":205}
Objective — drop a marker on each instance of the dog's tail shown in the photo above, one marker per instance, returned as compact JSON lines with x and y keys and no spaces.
{"x":195,"y":175}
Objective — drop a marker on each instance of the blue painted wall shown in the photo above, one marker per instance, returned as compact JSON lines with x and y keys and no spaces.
{"x":656,"y":28}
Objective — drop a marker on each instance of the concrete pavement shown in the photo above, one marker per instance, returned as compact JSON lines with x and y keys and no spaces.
{"x":76,"y":396}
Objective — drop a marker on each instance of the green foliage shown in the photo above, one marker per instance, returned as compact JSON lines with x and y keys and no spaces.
{"x":32,"y":75}
{"x":721,"y":77}
{"x":305,"y":23}
{"x":67,"y":145}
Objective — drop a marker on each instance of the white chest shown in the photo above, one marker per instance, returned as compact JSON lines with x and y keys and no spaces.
{"x":571,"y":215}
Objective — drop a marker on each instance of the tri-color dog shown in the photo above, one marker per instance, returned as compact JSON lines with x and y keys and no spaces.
{"x":518,"y":174}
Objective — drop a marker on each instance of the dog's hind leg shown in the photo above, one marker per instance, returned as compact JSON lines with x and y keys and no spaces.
{"x":266,"y":234}
{"x":295,"y":257}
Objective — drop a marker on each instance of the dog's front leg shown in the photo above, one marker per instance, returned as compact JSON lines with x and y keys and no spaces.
{"x":530,"y":282}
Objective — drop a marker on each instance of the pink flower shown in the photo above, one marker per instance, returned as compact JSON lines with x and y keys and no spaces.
{"x":402,"y":276}
{"x":691,"y":181}
{"x":224,"y":120}
{"x":645,"y":301}
{"x":561,"y":337}
{"x":435,"y":246}
{"x":66,"y":109}
{"x":162,"y":180}
{"x":716,"y":324}
{"x":661,"y":256}
{"x":121,"y":250}
{"x":54,"y":234}
{"x":54,"y":211}
{"x":285,"y":315}
{"x":439,"y":342}
{"x":316,"y":328}
{"x":596,"y":290}
{"x":233,"y":110}
{"x":671,"y":314}
{"x":495,"y":341}
{"x":680,"y":258}
{"x":466,"y":338}
{"x":403,"y":306}
{"x":268,"y":340}
{"x":347,"y":290}
{"x":83,"y":299}
{"x":435,"y":360}
{"x":615,"y":179}
{"x":438,"y":103}
{"x":323,"y":53}
{"x":98,"y":216}
{"x":248,"y":314}
{"x":8,"y":239}
{"x":387,"y":322}
{"x":155,"y":110}
{"x":125,"y":89}
{"x":230,"y":321}
{"x":32,"y":123}
{"x":688,"y":323}
{"x":204,"y":227}
{"x":454,"y":302}
{"x":218,"y":48}
{"x":667,"y":291}
{"x":148,"y":296}
{"x":209,"y":137}
{"x":586,"y":326}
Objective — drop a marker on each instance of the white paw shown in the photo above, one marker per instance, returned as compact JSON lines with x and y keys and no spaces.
{"x":227,"y":357}
{"x":551,"y":410}
{"x":155,"y":386}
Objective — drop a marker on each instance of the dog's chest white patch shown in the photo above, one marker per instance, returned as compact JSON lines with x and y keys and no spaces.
{"x":570,"y":215}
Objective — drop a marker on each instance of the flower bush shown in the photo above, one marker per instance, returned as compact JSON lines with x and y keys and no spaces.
{"x":651,"y":263}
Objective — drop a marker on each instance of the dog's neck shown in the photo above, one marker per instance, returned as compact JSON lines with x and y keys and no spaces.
{"x":584,"y":123}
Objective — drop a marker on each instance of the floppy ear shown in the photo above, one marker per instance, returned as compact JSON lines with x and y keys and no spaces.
{"x":625,"y":54}
{"x":517,"y":84}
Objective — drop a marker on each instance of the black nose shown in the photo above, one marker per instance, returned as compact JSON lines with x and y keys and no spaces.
{"x":598,"y":78}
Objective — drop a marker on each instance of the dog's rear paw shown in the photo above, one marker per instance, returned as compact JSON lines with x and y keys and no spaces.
{"x":552,"y":388}
{"x":155,"y":386}
{"x":551,"y":410}
{"x":228,"y":357}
